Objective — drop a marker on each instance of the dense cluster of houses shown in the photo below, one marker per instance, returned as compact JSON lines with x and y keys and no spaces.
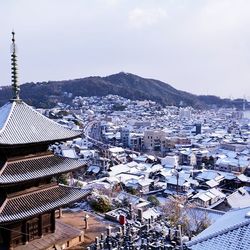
{"x":203,"y":156}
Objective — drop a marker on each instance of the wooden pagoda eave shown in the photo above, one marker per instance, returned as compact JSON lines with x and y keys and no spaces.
{"x":37,"y":201}
{"x":28,"y":145}
{"x":17,"y":170}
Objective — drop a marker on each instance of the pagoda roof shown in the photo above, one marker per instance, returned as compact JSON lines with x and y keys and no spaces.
{"x":34,"y":167}
{"x":19,"y":206}
{"x":20,"y":124}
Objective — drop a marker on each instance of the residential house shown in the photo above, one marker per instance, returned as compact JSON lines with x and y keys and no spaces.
{"x":187,"y":157}
{"x":208,"y":198}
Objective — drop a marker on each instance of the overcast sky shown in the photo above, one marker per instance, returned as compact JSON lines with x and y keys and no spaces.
{"x":201,"y":46}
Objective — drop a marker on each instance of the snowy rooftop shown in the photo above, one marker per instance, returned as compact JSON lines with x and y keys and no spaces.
{"x":21,"y":124}
{"x":231,"y":231}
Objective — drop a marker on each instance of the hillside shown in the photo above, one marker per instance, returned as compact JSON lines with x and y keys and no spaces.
{"x":47,"y":94}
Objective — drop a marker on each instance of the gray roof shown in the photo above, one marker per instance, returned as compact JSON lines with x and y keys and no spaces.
{"x":37,"y":201}
{"x":239,"y":199}
{"x":231,"y":231}
{"x":21,"y":124}
{"x":19,"y":170}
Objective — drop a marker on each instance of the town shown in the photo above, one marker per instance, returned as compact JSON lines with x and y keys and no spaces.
{"x":184,"y":169}
{"x":125,"y":125}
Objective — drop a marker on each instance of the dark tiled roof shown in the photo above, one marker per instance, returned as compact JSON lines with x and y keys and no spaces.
{"x":36,"y":167}
{"x":38,"y":201}
{"x":234,"y":239}
{"x":21,"y":124}
{"x":231,"y":232}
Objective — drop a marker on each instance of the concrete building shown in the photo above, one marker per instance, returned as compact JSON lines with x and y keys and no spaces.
{"x":153,"y":139}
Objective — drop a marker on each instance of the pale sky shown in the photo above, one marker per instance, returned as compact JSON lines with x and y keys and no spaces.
{"x":199,"y":46}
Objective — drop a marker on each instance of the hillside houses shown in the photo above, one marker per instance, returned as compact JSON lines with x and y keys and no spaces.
{"x":143,"y":149}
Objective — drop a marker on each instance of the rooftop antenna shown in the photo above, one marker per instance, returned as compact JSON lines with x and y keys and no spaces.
{"x":15,"y":86}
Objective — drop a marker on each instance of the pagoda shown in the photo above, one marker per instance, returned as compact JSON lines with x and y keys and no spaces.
{"x":28,"y":196}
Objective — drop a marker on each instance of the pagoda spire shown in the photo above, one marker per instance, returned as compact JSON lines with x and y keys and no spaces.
{"x":15,"y":86}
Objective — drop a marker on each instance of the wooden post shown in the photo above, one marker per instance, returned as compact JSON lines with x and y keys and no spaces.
{"x":60,"y":213}
{"x":53,"y":221}
{"x":8,"y":239}
{"x":40,"y":225}
{"x":25,"y":233}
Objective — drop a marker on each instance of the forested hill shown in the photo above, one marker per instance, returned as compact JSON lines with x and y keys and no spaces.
{"x":47,"y":94}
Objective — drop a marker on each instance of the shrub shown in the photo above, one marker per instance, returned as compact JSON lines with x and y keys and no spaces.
{"x":63,"y":179}
{"x":100,"y":203}
{"x":153,"y":200}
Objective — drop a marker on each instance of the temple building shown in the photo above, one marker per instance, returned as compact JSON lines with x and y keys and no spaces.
{"x":28,"y":196}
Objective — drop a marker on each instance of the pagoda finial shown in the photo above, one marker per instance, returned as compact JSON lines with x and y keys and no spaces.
{"x":15,"y":86}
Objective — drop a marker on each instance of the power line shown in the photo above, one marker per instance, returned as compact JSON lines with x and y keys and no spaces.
{"x":14,"y":231}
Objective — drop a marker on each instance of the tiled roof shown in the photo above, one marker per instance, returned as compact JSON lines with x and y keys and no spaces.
{"x":230,"y":232}
{"x":235,"y":239}
{"x":37,"y":201}
{"x":239,"y":199}
{"x":21,"y":124}
{"x":36,"y":167}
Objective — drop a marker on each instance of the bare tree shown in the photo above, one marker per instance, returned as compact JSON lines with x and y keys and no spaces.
{"x":178,"y":211}
{"x":199,"y":219}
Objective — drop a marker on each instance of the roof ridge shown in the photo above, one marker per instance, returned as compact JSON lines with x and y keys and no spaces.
{"x":3,"y":205}
{"x":210,"y":210}
{"x":3,"y":168}
{"x":70,"y":187}
{"x":222,"y":231}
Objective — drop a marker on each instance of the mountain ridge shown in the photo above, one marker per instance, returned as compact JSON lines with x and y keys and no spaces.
{"x":47,"y":94}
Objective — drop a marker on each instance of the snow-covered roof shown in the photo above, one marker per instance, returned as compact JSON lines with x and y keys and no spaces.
{"x":69,"y":153}
{"x":239,"y":199}
{"x":233,"y":162}
{"x":208,"y":175}
{"x":94,"y":169}
{"x":5,"y":110}
{"x":212,"y":183}
{"x":141,"y":158}
{"x":117,"y":169}
{"x":132,"y":198}
{"x":149,"y":213}
{"x":116,"y":150}
{"x":21,"y":124}
{"x":156,"y":167}
{"x":173,"y":181}
{"x":231,"y":232}
{"x":202,"y":196}
{"x":151,"y":157}
{"x":132,"y":164}
{"x":145,"y":182}
{"x":243,"y":178}
{"x":209,"y":194}
{"x":217,"y":193}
